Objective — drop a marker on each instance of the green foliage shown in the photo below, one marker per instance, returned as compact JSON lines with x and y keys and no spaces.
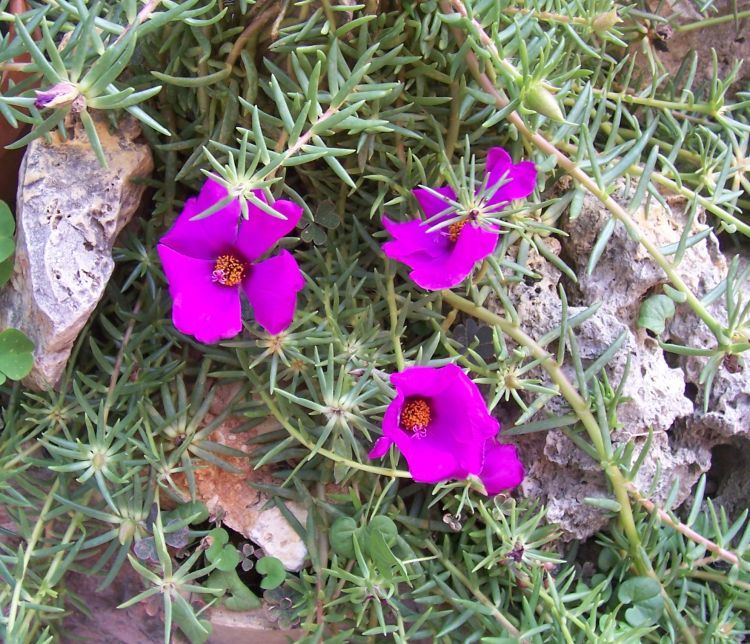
{"x":344,"y":108}
{"x":221,"y":554}
{"x":655,"y":312}
{"x":643,"y":595}
{"x":273,"y":572}
{"x":16,"y":359}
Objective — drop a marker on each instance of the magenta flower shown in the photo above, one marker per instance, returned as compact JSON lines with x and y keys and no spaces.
{"x":444,"y":257}
{"x":207,"y":261}
{"x":440,"y":422}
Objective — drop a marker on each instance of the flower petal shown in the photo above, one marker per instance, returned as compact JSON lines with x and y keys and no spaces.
{"x":381,"y":446}
{"x":261,"y":231}
{"x":430,"y":203}
{"x":453,"y":444}
{"x":427,"y":382}
{"x":520,"y":178}
{"x":411,"y":238}
{"x":208,"y":311}
{"x":272,"y":288}
{"x":211,"y":236}
{"x":502,"y":468}
{"x":429,"y":461}
{"x":473,"y":245}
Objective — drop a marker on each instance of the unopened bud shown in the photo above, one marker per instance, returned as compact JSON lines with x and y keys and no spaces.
{"x":59,"y":95}
{"x":539,"y":99}
{"x":605,"y":21}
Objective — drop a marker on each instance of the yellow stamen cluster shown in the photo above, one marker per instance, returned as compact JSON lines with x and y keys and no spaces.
{"x":454,"y":230}
{"x":415,"y":415}
{"x":229,"y":270}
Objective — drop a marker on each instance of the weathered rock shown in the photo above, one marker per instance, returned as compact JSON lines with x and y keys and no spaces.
{"x":558,"y":472}
{"x":726,"y":40}
{"x":70,"y":210}
{"x":728,"y":411}
{"x":248,"y":626}
{"x":242,"y":508}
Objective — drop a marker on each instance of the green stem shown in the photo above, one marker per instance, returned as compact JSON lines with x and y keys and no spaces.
{"x":299,"y":436}
{"x":54,"y":565}
{"x":546,"y":360}
{"x":712,"y":22}
{"x":685,"y":530}
{"x":393,"y":313}
{"x":579,"y":406}
{"x":658,"y":177}
{"x":572,"y":169}
{"x":701,"y":108}
{"x":28,"y":551}
{"x":472,"y":588}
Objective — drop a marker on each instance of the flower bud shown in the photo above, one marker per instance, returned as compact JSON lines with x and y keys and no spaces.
{"x":605,"y":21}
{"x":542,"y":101}
{"x":59,"y":95}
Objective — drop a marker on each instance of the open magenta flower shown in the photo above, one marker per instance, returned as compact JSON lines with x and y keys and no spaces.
{"x":207,"y":261}
{"x":440,"y":422}
{"x":443,"y":257}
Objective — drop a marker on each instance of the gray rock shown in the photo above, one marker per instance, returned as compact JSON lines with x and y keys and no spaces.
{"x":558,"y":472}
{"x":70,"y":211}
{"x":728,"y":411}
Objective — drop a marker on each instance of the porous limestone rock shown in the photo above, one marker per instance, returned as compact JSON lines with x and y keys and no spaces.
{"x":728,"y":411}
{"x":69,"y":212}
{"x":658,"y":389}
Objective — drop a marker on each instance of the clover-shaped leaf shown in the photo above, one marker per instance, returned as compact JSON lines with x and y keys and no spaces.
{"x":273,"y":572}
{"x":644,"y":594}
{"x":145,"y":549}
{"x":327,"y":216}
{"x":470,"y":331}
{"x":16,"y":358}
{"x":313,"y":233}
{"x":178,"y":538}
{"x":220,"y":553}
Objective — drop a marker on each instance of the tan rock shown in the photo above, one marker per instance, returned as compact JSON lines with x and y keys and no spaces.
{"x":70,"y":210}
{"x":242,"y":508}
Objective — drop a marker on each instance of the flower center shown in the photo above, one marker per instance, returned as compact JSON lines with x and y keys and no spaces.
{"x":415,"y":415}
{"x":228,"y":270}
{"x":454,"y":230}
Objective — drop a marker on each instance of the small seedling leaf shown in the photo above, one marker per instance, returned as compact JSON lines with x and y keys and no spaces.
{"x":654,"y":313}
{"x":273,"y":572}
{"x":16,"y":358}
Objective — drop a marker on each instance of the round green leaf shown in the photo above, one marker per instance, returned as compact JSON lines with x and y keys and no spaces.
{"x":194,"y":509}
{"x":16,"y":358}
{"x":273,"y":572}
{"x":384,"y":526}
{"x":341,"y":537}
{"x":654,"y":313}
{"x":7,"y":223}
{"x":6,"y":270}
{"x":327,"y":216}
{"x":645,"y":595}
{"x":7,"y":246}
{"x":220,"y":553}
{"x":228,"y":559}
